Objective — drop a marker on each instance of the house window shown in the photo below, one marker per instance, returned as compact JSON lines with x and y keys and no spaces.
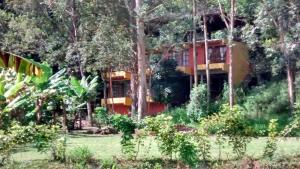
{"x":217,"y":54}
{"x":118,"y":90}
{"x":176,"y":56}
{"x":185,"y":57}
{"x":223,"y":50}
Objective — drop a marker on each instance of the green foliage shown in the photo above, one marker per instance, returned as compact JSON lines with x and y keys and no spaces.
{"x":40,"y":136}
{"x":127,"y":126}
{"x":197,"y":106}
{"x":201,"y":136}
{"x":179,"y":115}
{"x":165,"y":83}
{"x":84,"y":88}
{"x":231,"y":123}
{"x":271,"y":146}
{"x":80,"y":155}
{"x":267,"y":101}
{"x":171,"y":142}
{"x":102,"y":116}
{"x":294,"y":124}
{"x":58,"y":149}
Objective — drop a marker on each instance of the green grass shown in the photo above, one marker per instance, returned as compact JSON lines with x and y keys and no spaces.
{"x":107,"y":147}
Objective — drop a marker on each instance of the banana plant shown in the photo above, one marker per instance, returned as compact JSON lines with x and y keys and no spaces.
{"x":85,"y":90}
{"x":44,"y":88}
{"x":20,"y":64}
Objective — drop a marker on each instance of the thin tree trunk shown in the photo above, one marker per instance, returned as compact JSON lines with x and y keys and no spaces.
{"x":64,"y":121}
{"x":230,"y":42}
{"x":207,"y":60}
{"x":104,"y":90}
{"x":142,"y":104}
{"x":90,"y":113}
{"x":38,"y":110}
{"x":290,"y":71}
{"x":134,"y":97}
{"x":194,"y":44}
{"x":111,"y":91}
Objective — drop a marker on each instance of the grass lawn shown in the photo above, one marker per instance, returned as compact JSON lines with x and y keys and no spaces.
{"x":106,"y":147}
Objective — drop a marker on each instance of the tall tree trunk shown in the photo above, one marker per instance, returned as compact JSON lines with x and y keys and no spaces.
{"x":207,"y":60}
{"x":230,"y":43}
{"x":289,"y":69}
{"x":194,"y":44}
{"x":134,"y":70}
{"x":140,"y":26}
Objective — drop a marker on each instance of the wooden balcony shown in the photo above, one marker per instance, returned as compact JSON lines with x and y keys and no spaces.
{"x":127,"y":101}
{"x":185,"y":69}
{"x":122,"y":75}
{"x":120,"y":100}
{"x":215,"y":66}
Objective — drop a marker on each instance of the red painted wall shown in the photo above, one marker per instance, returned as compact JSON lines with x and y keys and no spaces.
{"x":153,"y":109}
{"x":201,"y":52}
{"x":120,"y":109}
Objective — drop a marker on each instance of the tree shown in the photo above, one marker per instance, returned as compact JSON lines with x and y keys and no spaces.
{"x":194,"y":43}
{"x":141,"y":55}
{"x":230,"y":27}
{"x":283,"y":17}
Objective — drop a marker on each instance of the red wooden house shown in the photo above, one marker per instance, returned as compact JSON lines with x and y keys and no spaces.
{"x":120,"y":102}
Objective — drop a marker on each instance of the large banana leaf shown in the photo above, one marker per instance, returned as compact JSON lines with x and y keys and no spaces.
{"x":20,"y":64}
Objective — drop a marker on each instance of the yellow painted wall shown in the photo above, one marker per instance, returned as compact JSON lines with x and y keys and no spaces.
{"x":240,"y":61}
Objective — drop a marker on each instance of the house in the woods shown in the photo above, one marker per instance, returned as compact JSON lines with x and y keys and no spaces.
{"x":118,"y":96}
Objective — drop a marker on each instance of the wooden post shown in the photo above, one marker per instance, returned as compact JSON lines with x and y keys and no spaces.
{"x":207,"y":60}
{"x":111,"y":91}
{"x":194,"y":44}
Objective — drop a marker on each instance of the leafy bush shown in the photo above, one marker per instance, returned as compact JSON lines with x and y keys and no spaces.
{"x":271,"y":146}
{"x":197,"y":106}
{"x":171,"y":142}
{"x":179,"y":115}
{"x":232,"y":123}
{"x":127,"y":126}
{"x":102,"y":116}
{"x":58,"y":149}
{"x":108,"y":163}
{"x":80,"y":155}
{"x":40,"y":136}
{"x":293,"y":128}
{"x":267,"y":101}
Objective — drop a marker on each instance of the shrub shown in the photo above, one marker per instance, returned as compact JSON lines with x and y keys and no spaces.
{"x":267,"y":101}
{"x":58,"y":149}
{"x":171,"y":142}
{"x":232,"y":123}
{"x":108,"y":163}
{"x":80,"y":155}
{"x":102,"y":116}
{"x":40,"y":136}
{"x":179,"y":115}
{"x":271,"y":146}
{"x":127,"y":126}
{"x":197,"y":106}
